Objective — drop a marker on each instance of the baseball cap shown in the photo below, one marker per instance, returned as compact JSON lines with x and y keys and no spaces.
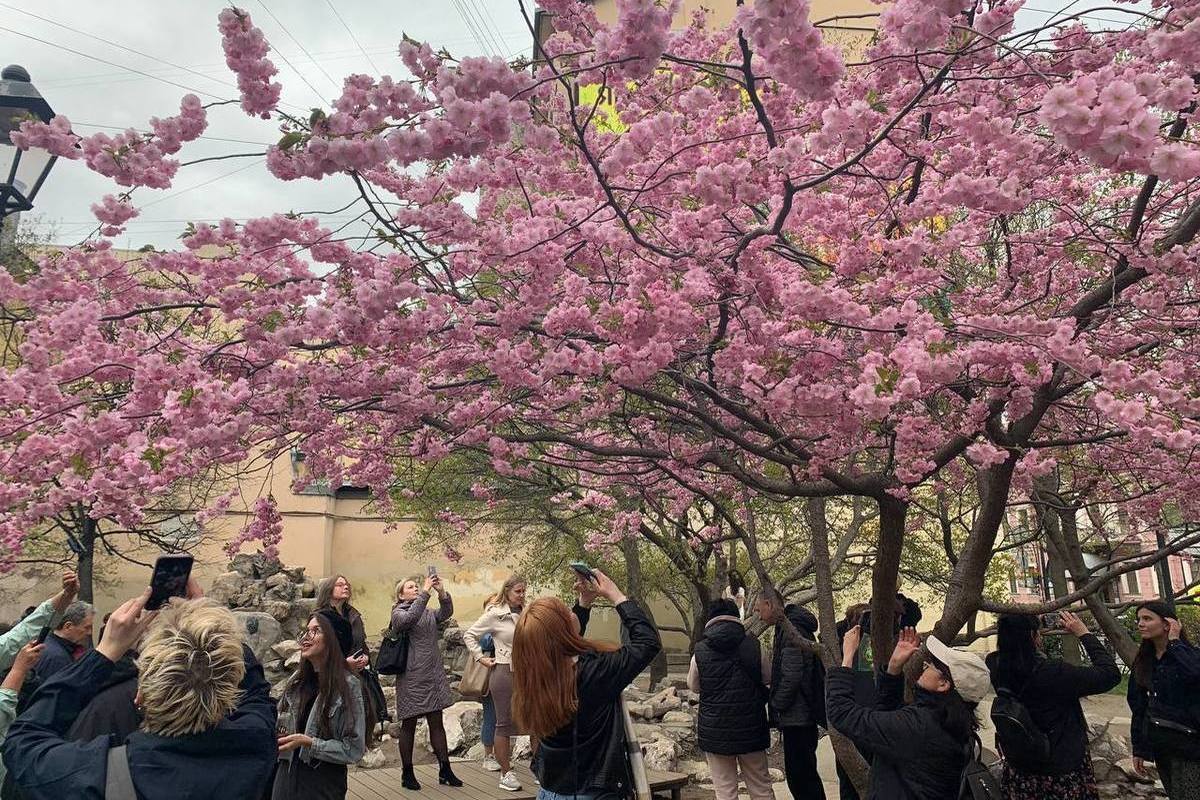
{"x":967,"y":670}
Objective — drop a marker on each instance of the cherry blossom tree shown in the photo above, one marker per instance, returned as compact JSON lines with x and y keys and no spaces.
{"x":955,"y":259}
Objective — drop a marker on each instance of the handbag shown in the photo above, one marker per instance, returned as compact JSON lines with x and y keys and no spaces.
{"x":393,"y":655}
{"x":373,"y":697}
{"x":475,"y":681}
{"x":1172,"y":738}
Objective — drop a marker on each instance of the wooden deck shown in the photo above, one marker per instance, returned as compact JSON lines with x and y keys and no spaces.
{"x":478,"y":784}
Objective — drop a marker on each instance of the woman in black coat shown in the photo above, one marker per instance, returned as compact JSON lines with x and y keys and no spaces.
{"x":1050,"y":690}
{"x":1165,"y":687}
{"x":567,"y":691}
{"x":920,"y":750}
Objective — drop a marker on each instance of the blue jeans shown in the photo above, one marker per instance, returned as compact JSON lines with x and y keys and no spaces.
{"x":487,"y":733}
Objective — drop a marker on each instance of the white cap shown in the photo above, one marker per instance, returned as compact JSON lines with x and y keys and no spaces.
{"x":970,"y":675}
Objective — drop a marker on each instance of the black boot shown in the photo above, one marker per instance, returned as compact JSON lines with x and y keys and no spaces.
{"x":446,"y":776}
{"x":408,"y":779}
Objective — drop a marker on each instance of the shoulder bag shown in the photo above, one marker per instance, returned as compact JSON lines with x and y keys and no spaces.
{"x":393,"y":654}
{"x":475,"y":681}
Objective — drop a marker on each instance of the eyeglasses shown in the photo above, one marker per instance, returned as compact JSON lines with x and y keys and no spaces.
{"x":310,"y":633}
{"x":940,"y":671}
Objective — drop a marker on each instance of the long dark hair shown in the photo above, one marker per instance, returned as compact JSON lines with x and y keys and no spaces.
{"x":1147,"y":656}
{"x":325,"y":593}
{"x":954,"y":714}
{"x":326,"y":684}
{"x":1016,"y":653}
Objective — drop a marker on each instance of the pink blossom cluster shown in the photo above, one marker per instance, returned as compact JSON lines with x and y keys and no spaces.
{"x":113,"y":213}
{"x":246,"y":54}
{"x":265,"y":527}
{"x":54,"y":136}
{"x":921,"y":24}
{"x":639,"y":38}
{"x":791,"y":46}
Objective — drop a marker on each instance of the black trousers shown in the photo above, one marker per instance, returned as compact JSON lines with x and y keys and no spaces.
{"x":800,"y":763}
{"x":848,"y":792}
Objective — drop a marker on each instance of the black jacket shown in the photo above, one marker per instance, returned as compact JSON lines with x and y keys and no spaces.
{"x":57,"y":655}
{"x":797,"y":677}
{"x":733,"y":712}
{"x":112,"y":711}
{"x":1051,"y":694}
{"x":584,"y":756}
{"x":1174,"y":694}
{"x":914,"y":757}
{"x":234,"y":759}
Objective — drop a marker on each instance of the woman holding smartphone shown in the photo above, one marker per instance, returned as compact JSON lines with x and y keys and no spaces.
{"x":424,"y":689}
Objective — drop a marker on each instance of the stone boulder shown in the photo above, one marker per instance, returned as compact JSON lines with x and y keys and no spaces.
{"x":661,"y":755}
{"x":260,"y":631}
{"x":286,"y":649}
{"x":463,"y":722}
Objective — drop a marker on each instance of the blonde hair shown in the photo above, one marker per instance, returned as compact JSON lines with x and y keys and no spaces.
{"x":416,"y":579}
{"x":190,"y":668}
{"x":501,"y":596}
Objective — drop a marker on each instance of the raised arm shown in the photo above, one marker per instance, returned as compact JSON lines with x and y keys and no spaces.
{"x":445,"y":606}
{"x":625,"y":664}
{"x":898,"y":733}
{"x":405,"y":618}
{"x":28,"y":629}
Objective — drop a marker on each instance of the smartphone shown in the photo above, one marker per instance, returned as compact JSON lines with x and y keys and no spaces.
{"x":43,"y":633}
{"x":1050,"y":622}
{"x":865,"y":622}
{"x":431,"y":571}
{"x":583,"y":570}
{"x":170,"y":579}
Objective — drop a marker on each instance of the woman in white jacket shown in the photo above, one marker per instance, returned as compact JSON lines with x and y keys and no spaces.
{"x":500,"y":620}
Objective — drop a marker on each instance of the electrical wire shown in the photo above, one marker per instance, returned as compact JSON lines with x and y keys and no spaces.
{"x":114,"y":64}
{"x":336,"y":86}
{"x":127,"y":127}
{"x":353,"y":38}
{"x":489,"y":24}
{"x":479,"y":39}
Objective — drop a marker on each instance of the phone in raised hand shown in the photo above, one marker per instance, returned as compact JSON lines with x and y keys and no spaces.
{"x":170,"y":579}
{"x":581,"y":569}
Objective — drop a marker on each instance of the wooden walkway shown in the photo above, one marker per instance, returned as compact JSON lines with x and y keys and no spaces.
{"x":478,"y":784}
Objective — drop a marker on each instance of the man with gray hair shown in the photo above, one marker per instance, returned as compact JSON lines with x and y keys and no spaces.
{"x":68,"y":642}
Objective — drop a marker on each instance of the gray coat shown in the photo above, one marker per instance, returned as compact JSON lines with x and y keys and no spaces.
{"x":424,"y":687}
{"x":348,"y":749}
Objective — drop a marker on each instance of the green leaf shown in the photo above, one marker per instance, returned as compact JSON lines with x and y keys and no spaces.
{"x":290,"y":140}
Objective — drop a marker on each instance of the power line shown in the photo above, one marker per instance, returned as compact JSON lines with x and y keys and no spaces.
{"x":208,"y":182}
{"x":479,"y":40}
{"x":113,"y":64}
{"x":336,"y":86}
{"x":353,"y":38}
{"x":127,"y":127}
{"x":118,"y":45}
{"x":489,"y":24}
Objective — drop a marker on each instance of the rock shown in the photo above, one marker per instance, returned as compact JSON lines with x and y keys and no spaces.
{"x":226,"y":586}
{"x":641,"y":711}
{"x":308,"y":588}
{"x":681,"y":718}
{"x":243,"y":564}
{"x":521,"y":750}
{"x":292,"y":661}
{"x":453,"y":636}
{"x":294,"y":574}
{"x":777,"y":775}
{"x":260,"y":631}
{"x":660,"y":755}
{"x":265,"y":567}
{"x":475,"y":753}
{"x":286,"y":648}
{"x":279,"y":609}
{"x":373,"y":759}
{"x":1125,"y":765}
{"x":698,"y":771}
{"x":463,"y":723}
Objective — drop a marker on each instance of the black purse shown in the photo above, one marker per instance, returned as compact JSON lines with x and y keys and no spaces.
{"x":1171,"y":738}
{"x":393,"y":655}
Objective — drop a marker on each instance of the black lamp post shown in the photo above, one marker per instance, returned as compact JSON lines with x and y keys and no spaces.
{"x":22,"y":172}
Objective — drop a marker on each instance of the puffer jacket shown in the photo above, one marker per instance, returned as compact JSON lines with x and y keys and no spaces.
{"x":732,"y":684}
{"x":797,"y":677}
{"x":914,"y":757}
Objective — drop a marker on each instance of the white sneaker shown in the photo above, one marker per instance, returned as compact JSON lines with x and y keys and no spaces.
{"x":509,"y":782}
{"x":491,"y":764}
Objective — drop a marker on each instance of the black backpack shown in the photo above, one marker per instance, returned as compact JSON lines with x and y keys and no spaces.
{"x":977,"y":782}
{"x":1025,"y":746}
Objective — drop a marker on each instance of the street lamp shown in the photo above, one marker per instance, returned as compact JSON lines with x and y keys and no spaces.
{"x":22,"y":172}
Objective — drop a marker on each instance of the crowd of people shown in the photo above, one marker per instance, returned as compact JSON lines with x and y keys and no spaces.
{"x":173,"y":703}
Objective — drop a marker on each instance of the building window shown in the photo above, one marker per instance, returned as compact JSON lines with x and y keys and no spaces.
{"x":1132,"y":584}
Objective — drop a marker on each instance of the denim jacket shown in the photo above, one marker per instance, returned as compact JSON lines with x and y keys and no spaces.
{"x":348,"y":749}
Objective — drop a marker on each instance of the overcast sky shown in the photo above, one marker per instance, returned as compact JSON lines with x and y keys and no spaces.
{"x":313,"y":48}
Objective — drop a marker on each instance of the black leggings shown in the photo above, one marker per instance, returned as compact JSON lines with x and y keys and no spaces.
{"x":800,"y":762}
{"x":437,"y":738}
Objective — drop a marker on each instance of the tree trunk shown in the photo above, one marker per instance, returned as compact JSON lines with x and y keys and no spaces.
{"x":969,"y":576}
{"x":831,"y":652}
{"x":885,"y":577}
{"x":86,"y":563}
{"x":633,"y":567}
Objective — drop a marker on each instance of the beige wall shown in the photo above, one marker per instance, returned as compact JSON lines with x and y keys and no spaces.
{"x":722,"y":11}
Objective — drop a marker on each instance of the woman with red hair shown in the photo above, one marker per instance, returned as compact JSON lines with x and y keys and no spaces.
{"x":567,"y":691}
